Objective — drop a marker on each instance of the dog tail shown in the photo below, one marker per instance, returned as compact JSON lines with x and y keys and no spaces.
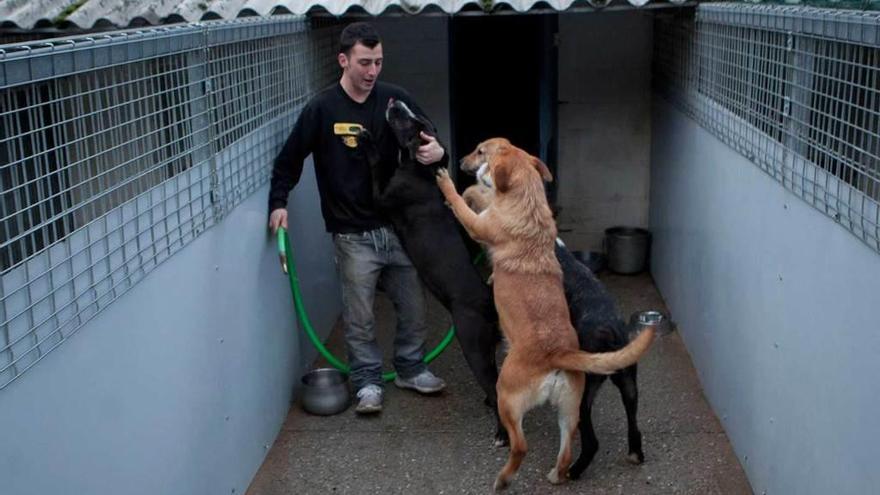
{"x":605,"y":363}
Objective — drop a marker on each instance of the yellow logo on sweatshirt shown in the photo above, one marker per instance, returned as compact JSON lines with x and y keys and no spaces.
{"x":348,"y":132}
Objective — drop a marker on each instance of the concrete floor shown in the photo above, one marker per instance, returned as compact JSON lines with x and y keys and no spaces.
{"x":443,"y":444}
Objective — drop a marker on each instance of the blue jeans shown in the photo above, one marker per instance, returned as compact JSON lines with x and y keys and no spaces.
{"x":363,"y":259}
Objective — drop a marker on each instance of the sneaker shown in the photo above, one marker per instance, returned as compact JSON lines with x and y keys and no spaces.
{"x":425,"y":383}
{"x":370,"y":399}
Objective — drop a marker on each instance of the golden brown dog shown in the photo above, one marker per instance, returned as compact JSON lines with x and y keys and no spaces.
{"x":544,"y":361}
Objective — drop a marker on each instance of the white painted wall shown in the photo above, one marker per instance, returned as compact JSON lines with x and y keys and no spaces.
{"x":182,"y":384}
{"x":604,"y":124}
{"x":777,"y":306}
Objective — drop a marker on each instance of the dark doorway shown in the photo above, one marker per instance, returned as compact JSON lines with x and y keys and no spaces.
{"x":503,"y":83}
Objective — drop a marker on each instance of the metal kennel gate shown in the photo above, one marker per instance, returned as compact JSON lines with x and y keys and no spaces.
{"x":117,"y":150}
{"x":794,"y":89}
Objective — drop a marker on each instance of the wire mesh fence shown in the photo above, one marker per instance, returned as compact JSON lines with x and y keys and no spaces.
{"x":794,"y":89}
{"x":117,"y":150}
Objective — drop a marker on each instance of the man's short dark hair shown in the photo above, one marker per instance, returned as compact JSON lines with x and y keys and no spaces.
{"x":358,"y":32}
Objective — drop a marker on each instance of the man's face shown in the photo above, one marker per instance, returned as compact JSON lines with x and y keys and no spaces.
{"x":362,"y":66}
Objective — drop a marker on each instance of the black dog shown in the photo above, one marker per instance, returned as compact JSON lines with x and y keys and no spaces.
{"x":599,"y":329}
{"x":432,"y":239}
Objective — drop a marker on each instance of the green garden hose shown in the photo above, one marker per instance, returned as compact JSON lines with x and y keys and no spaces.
{"x":288,"y":264}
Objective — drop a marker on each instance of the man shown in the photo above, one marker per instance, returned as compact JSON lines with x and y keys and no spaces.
{"x":367,"y":250}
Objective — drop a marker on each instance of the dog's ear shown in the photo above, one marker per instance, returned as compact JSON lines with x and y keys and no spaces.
{"x":501,"y":177}
{"x":415,"y":142}
{"x":427,"y":127}
{"x":502,"y":172}
{"x":421,"y":124}
{"x":542,"y":169}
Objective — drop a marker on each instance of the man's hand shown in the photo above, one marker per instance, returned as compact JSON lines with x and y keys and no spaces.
{"x":278,"y":218}
{"x":430,"y":152}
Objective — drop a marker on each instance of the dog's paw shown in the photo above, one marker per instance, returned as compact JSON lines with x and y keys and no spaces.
{"x":576,"y":469}
{"x":635,"y":458}
{"x":501,"y":483}
{"x":445,"y":182}
{"x":555,"y":477}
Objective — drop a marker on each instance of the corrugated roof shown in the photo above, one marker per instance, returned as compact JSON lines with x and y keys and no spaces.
{"x":87,"y":14}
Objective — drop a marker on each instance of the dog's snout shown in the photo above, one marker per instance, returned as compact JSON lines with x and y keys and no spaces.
{"x":468,"y":164}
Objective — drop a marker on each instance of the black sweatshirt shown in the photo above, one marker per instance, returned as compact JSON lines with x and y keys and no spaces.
{"x":327,"y":128}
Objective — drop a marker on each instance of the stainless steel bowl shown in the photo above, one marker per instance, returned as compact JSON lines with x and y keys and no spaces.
{"x":628,"y":249}
{"x":325,"y":392}
{"x":640,"y":320}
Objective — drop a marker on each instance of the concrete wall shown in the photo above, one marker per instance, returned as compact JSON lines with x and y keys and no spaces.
{"x":777,"y":306}
{"x":182,"y":384}
{"x":604,"y":124}
{"x":416,"y":53}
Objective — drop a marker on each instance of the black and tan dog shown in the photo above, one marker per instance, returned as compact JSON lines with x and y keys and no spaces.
{"x":599,"y":329}
{"x":434,"y":242}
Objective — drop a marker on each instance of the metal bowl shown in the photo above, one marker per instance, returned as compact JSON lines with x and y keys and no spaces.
{"x":325,"y":392}
{"x":628,"y":249}
{"x":641,"y":320}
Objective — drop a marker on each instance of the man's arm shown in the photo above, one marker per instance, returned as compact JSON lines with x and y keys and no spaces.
{"x":288,"y":165}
